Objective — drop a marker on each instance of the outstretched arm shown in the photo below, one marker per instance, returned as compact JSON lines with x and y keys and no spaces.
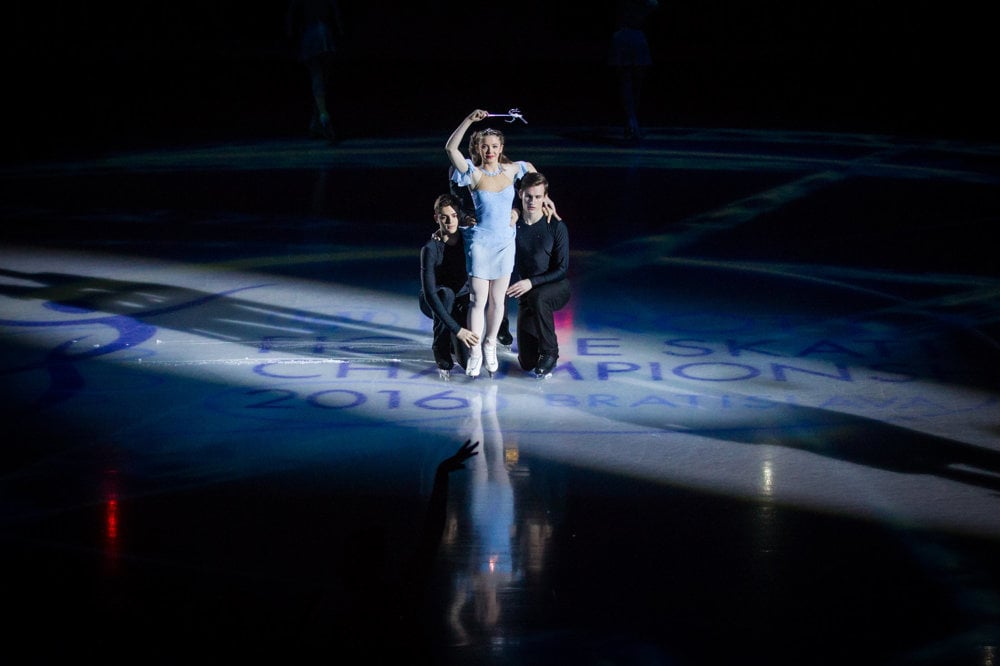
{"x":453,"y":146}
{"x":435,"y":518}
{"x":421,"y":564}
{"x":429,"y":260}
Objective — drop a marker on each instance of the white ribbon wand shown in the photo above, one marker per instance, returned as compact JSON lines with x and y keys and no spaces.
{"x":513,"y":114}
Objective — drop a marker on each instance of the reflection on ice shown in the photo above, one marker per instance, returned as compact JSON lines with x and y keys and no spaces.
{"x":489,"y":567}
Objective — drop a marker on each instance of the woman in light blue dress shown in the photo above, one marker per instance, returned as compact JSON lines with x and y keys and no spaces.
{"x":489,"y":245}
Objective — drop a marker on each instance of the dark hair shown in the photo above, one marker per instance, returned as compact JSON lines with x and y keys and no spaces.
{"x":445,"y":200}
{"x":533,"y":178}
{"x":442,"y":202}
{"x":476,"y":137}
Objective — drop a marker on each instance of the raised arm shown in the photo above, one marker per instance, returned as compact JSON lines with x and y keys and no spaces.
{"x":454,"y":145}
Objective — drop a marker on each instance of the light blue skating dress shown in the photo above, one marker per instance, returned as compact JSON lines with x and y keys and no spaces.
{"x":489,"y":246}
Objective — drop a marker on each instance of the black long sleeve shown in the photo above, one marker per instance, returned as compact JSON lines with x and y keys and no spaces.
{"x":437,"y":269}
{"x":542,"y":252}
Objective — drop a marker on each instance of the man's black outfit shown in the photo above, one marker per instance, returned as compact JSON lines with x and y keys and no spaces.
{"x":542,"y":256}
{"x":444,"y":297}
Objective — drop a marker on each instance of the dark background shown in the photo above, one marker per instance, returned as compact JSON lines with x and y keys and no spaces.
{"x":95,"y":76}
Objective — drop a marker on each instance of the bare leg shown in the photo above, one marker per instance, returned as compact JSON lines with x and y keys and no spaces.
{"x":494,"y":307}
{"x":479,"y":297}
{"x":494,"y":317}
{"x":477,"y":307}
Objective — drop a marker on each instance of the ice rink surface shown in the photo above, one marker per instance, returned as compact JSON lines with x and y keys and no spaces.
{"x":773,"y":435}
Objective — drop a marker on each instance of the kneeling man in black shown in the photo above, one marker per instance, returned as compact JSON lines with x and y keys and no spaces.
{"x":540,"y":281}
{"x":444,"y":287}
